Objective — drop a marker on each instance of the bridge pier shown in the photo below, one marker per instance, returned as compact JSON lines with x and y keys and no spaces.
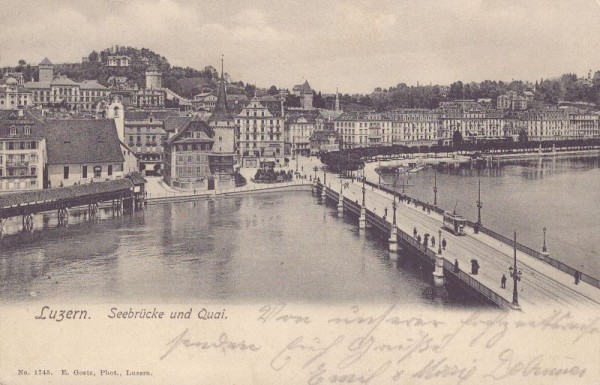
{"x":393,"y":242}
{"x":27,"y":221}
{"x":438,"y":272}
{"x":117,"y":206}
{"x":2,"y":221}
{"x":362,"y":220}
{"x":63,"y":216}
{"x":92,"y":210}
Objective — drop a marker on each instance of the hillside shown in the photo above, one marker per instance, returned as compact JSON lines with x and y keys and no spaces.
{"x":184,"y":81}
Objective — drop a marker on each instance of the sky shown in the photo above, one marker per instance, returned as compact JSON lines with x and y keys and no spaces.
{"x":351,"y":45}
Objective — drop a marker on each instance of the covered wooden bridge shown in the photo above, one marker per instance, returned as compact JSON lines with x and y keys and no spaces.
{"x":126,"y":195}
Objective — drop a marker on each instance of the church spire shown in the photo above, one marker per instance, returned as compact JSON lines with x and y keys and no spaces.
{"x":221,"y":111}
{"x":337,"y":100}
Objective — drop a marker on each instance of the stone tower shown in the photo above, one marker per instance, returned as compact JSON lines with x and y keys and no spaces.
{"x":115,"y":111}
{"x":153,"y":78}
{"x":306,"y":96}
{"x":222,"y":121}
{"x":46,"y":71}
{"x":337,"y":101}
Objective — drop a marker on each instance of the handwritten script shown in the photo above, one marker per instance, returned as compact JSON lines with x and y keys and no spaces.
{"x":374,"y":345}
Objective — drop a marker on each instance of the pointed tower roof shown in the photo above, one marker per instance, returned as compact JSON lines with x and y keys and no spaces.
{"x":221,"y":111}
{"x":306,"y":88}
{"x":46,"y":62}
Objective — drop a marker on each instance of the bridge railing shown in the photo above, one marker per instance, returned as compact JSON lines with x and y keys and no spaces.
{"x":525,"y":249}
{"x":475,"y":284}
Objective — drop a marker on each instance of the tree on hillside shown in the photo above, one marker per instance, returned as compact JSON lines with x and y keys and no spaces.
{"x":250,"y":90}
{"x":273,"y":90}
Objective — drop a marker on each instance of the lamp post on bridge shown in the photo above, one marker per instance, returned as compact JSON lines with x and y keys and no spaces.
{"x":479,"y":206}
{"x":544,"y":250}
{"x":515,"y":273}
{"x":363,"y":192}
{"x":545,"y":253}
{"x":435,"y":189}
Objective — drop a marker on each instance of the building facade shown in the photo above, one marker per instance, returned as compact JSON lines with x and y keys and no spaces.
{"x":13,"y":95}
{"x":60,"y":90}
{"x":261,"y":134}
{"x":82,"y":151}
{"x":22,"y":152}
{"x":118,"y":61}
{"x":298,"y":130}
{"x":363,"y":129}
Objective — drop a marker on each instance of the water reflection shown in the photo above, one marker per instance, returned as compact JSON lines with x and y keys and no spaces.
{"x":282,"y":246}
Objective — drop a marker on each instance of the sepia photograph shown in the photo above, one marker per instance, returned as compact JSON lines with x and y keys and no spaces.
{"x":315,"y":192}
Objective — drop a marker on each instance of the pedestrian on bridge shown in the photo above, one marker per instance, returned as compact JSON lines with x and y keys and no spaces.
{"x":415,"y":232}
{"x":503,"y":281}
{"x":432,"y":241}
{"x":419,"y":238}
{"x":444,"y":243}
{"x":577,"y":277}
{"x":456,"y":270}
{"x":385,"y":212}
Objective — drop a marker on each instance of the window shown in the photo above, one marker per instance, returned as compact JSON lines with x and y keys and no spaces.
{"x":27,"y":131}
{"x":97,"y":171}
{"x":66,"y":172}
{"x":110,"y":170}
{"x":84,"y":172}
{"x":13,"y":131}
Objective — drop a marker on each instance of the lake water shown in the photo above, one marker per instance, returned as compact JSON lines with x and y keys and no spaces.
{"x":562,"y":195}
{"x":270,"y":247}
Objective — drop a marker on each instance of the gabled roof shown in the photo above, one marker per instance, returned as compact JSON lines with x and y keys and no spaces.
{"x":45,"y":62}
{"x":176,"y":123}
{"x":10,"y":118}
{"x":62,"y":80}
{"x":82,"y":141}
{"x":91,"y":85}
{"x":205,"y":133}
{"x":152,"y":68}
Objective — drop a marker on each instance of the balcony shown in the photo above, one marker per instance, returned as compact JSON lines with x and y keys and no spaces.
{"x":25,"y":176}
{"x":17,"y":164}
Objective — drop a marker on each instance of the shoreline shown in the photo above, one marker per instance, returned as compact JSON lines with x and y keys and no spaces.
{"x":301,"y":185}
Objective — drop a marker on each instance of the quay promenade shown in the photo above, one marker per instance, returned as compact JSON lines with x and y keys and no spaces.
{"x":541,"y":284}
{"x":159,"y":197}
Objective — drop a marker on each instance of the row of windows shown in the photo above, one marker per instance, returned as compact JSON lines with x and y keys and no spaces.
{"x":192,"y":147}
{"x":12,"y":102}
{"x":21,"y":145}
{"x":189,"y":159}
{"x":96,"y":171}
{"x":18,"y":185}
{"x":192,"y":171}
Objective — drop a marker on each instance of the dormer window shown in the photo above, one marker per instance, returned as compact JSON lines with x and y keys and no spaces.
{"x":13,"y":131}
{"x":27,"y":131}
